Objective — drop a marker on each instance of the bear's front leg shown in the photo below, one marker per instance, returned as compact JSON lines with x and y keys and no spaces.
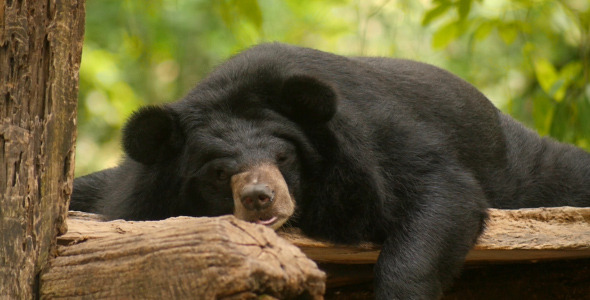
{"x":426,"y":249}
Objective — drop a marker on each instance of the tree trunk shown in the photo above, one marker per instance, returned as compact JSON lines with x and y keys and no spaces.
{"x":40,"y":51}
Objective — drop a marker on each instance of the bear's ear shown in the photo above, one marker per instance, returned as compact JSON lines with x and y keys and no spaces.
{"x":308,"y":99}
{"x":152,"y":134}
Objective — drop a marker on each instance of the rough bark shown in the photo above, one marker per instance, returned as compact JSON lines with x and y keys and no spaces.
{"x":178,"y":258}
{"x":534,"y":234}
{"x":40,"y":51}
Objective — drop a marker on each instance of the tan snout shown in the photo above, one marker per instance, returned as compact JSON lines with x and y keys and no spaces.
{"x":261,"y":196}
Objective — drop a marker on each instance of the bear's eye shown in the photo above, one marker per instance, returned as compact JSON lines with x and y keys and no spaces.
{"x":221,"y":175}
{"x":283,"y":158}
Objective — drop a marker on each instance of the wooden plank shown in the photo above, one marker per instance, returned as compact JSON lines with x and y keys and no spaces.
{"x":511,"y":235}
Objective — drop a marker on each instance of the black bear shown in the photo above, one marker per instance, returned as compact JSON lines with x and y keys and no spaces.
{"x":349,"y":149}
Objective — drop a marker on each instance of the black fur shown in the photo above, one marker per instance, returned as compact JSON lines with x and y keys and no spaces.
{"x":373,"y":149}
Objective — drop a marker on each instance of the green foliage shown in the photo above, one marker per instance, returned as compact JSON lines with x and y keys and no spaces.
{"x":545,"y":42}
{"x":149,"y":52}
{"x":530,"y":57}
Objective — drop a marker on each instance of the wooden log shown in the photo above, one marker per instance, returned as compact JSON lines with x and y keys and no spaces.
{"x":40,"y":51}
{"x":178,"y":258}
{"x":510,"y":235}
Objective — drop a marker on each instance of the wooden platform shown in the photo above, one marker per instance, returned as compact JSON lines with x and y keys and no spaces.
{"x":541,"y":253}
{"x":511,"y":236}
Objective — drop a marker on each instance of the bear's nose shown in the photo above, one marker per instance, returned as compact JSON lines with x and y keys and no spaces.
{"x":257,"y":196}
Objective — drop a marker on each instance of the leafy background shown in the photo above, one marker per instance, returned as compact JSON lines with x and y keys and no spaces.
{"x":531,"y":58}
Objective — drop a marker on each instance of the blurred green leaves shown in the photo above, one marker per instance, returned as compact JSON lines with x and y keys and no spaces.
{"x":440,"y":8}
{"x":532,"y":58}
{"x":231,"y":10}
{"x":452,"y":29}
{"x":149,"y":52}
{"x":545,"y":45}
{"x":555,"y":83}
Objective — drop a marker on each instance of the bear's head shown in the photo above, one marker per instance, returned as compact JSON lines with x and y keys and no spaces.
{"x":244,"y":152}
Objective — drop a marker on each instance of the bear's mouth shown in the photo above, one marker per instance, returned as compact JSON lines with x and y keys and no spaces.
{"x":274,"y":222}
{"x":267,"y":222}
